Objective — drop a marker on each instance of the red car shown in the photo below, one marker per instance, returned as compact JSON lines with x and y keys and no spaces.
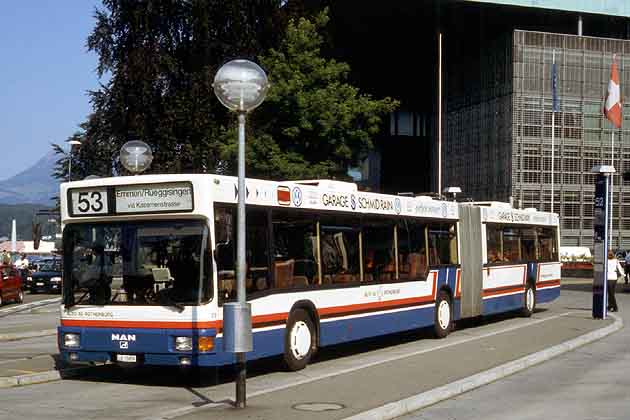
{"x":10,"y":285}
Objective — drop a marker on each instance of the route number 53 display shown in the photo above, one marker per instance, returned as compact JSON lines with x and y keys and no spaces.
{"x":90,"y":201}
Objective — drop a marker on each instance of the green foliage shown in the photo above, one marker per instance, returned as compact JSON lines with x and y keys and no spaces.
{"x":160,"y":57}
{"x":313,"y":123}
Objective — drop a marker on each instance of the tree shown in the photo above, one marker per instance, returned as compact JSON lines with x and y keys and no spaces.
{"x":161,"y":56}
{"x":313,"y":124}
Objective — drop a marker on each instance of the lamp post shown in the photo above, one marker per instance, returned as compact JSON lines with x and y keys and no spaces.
{"x":72,"y":143}
{"x":240,"y":85}
{"x":452,"y":191}
{"x":601,"y":238}
{"x":136,"y":156}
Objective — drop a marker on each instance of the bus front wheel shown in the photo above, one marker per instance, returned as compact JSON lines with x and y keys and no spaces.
{"x":443,"y":315}
{"x":299,"y":341}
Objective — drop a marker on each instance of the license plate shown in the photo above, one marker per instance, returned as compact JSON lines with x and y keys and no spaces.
{"x":126,"y":358}
{"x":39,"y":284}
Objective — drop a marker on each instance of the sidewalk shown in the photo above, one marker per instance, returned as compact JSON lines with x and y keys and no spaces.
{"x":393,"y":381}
{"x":390,"y":388}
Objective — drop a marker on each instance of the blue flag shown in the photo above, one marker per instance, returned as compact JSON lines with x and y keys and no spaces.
{"x":554,"y":88}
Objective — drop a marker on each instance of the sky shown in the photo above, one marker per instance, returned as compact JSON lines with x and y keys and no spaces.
{"x":45,"y":70}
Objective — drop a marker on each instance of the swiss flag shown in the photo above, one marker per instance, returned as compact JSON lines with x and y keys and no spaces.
{"x":612,"y":109}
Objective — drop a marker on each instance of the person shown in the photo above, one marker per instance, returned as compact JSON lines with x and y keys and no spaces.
{"x":614,"y":271}
{"x":22,"y":266}
{"x":22,"y":263}
{"x":5,"y":258}
{"x":627,"y":260}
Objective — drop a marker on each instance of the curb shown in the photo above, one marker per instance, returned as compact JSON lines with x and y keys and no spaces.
{"x":29,"y":334}
{"x":39,"y":378}
{"x":27,"y":306}
{"x":435,"y":395}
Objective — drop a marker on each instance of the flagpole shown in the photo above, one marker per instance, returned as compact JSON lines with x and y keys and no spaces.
{"x":553,"y":129}
{"x":439,"y":151}
{"x":612,"y":163}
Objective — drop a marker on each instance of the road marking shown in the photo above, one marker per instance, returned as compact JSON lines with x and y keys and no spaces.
{"x":27,"y":306}
{"x":359,"y":366}
{"x":4,"y":362}
{"x":22,"y":371}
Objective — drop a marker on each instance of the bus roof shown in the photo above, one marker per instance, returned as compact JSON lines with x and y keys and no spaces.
{"x":194,"y":194}
{"x":190,"y":194}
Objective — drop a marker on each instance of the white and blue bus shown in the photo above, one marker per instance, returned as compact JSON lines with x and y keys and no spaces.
{"x":149,"y":262}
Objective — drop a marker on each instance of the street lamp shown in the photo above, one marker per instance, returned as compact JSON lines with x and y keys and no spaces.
{"x":453,"y":191}
{"x":136,"y":156}
{"x":601,"y":237}
{"x":71,"y":143}
{"x":240,"y":86}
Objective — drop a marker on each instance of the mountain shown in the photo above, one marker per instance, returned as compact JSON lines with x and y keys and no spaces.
{"x":34,"y":185}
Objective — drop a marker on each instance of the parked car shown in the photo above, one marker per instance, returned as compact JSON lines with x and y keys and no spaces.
{"x":48,"y":277}
{"x":10,"y":285}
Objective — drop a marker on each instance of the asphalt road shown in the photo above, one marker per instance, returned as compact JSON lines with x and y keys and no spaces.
{"x":592,"y":382}
{"x":108,"y":392}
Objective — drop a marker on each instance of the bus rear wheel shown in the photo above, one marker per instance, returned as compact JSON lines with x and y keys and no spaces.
{"x":443,"y":315}
{"x":299,"y":341}
{"x":529,"y":301}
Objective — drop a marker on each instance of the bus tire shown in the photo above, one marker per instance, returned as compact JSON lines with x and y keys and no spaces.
{"x":443,"y":315}
{"x":299,"y":340}
{"x":529,"y":300}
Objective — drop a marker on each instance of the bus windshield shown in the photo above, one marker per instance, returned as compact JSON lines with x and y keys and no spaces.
{"x":136,"y":263}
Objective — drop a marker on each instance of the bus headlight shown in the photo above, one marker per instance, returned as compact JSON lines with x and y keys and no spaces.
{"x":55,"y":280}
{"x":183,"y":343}
{"x":71,"y":340}
{"x":205,"y":344}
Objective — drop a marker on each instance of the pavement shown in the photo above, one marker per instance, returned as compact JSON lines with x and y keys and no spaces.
{"x":418,"y":375}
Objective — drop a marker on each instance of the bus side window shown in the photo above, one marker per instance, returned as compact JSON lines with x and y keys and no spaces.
{"x":494,"y":243}
{"x":339,"y":243}
{"x":412,"y":252}
{"x":295,"y":249}
{"x":442,"y":244}
{"x":225,"y":252}
{"x":378,"y":248}
{"x":258,"y":277}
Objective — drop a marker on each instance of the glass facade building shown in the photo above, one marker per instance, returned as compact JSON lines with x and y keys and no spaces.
{"x":498,"y":138}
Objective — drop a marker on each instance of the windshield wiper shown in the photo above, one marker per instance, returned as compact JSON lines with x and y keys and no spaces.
{"x":76,"y":302}
{"x":166,"y":300}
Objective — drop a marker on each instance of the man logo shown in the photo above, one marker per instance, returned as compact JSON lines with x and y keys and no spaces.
{"x":123,"y":337}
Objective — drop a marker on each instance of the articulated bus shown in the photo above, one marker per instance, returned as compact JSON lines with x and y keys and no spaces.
{"x":149,"y":262}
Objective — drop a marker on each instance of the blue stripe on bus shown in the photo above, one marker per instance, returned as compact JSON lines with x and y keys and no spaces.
{"x":157,"y":348}
{"x":500,"y":304}
{"x":548,"y":294}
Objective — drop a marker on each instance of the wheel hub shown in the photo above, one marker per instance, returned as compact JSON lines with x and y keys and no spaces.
{"x":444,"y":314}
{"x":530,"y":299}
{"x":300,"y":340}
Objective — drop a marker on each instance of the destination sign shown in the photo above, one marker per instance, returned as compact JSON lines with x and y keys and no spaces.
{"x":151,"y":198}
